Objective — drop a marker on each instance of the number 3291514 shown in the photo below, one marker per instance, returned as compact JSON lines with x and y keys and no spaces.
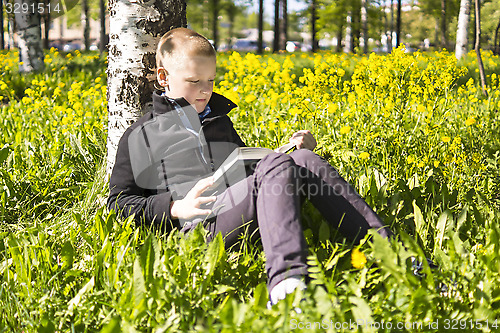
{"x":25,"y":8}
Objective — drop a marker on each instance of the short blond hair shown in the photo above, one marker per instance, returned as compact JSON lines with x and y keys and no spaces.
{"x":179,"y":43}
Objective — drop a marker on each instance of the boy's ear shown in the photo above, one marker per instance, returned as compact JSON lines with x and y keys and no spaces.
{"x":162,"y":76}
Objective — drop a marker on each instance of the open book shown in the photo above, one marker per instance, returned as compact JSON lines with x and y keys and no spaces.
{"x":241,"y":163}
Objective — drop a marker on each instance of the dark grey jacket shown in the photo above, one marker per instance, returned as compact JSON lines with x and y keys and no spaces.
{"x":158,"y":160}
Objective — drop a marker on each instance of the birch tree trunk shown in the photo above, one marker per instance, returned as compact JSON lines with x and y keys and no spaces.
{"x":462,"y":29}
{"x":135,"y":28}
{"x":30,"y":38}
{"x":348,"y":34}
{"x":10,"y":32}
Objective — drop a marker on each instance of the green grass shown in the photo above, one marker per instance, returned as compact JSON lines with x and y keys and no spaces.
{"x":67,"y":264}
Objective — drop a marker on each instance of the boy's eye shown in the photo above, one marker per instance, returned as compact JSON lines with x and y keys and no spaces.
{"x":194,"y":81}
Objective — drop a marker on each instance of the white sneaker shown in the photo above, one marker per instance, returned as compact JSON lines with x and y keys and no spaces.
{"x":284,"y":288}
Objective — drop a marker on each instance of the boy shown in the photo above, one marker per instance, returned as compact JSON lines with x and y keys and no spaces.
{"x":165,"y":161}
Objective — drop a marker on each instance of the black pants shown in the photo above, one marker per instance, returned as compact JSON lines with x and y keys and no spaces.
{"x":270,"y":199}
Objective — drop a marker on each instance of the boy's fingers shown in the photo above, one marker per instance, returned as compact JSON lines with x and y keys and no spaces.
{"x":203,"y":200}
{"x":202,"y":185}
{"x":198,"y":211}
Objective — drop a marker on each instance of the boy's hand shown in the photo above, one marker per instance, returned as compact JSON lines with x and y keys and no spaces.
{"x":303,"y":139}
{"x":190,"y":206}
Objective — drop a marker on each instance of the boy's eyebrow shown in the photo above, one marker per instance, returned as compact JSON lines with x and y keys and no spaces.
{"x":196,"y":77}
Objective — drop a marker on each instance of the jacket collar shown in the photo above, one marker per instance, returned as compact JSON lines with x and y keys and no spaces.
{"x":219,"y":104}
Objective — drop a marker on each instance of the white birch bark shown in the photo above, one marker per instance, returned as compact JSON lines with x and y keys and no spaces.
{"x":348,"y":34}
{"x":29,"y":32}
{"x":10,"y":28}
{"x":462,"y":29}
{"x":135,"y":28}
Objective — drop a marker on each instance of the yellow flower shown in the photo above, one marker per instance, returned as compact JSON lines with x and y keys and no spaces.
{"x":358,"y":259}
{"x":345,"y":129}
{"x":250,"y":98}
{"x":436,"y":164}
{"x":364,"y":155}
{"x":470,"y":121}
{"x":445,"y":139}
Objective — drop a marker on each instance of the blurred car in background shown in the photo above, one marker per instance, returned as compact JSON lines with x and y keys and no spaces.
{"x":293,"y":46}
{"x":248,"y":45}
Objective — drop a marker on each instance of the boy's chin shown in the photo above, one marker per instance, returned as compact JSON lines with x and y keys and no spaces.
{"x":200,"y":107}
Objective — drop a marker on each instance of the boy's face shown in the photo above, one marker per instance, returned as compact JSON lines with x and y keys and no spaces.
{"x":192,"y":79}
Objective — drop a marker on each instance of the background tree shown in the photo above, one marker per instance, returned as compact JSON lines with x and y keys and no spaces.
{"x":477,"y":15}
{"x":135,"y":28}
{"x":232,"y":11}
{"x":103,"y":40}
{"x":2,"y":41}
{"x":283,"y":36}
{"x":276,"y":40}
{"x":462,"y":29}
{"x":441,"y":11}
{"x":490,"y":23}
{"x":314,"y":32}
{"x":28,"y":27}
{"x":332,"y":19}
{"x":398,"y":24}
{"x":364,"y":26}
{"x":215,"y":22}
{"x":496,"y":44}
{"x":260,"y":28}
{"x":85,"y":24}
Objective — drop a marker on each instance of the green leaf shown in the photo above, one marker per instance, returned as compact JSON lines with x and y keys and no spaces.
{"x":324,"y":232}
{"x":361,"y":311}
{"x":260,"y":295}
{"x":139,"y":291}
{"x":67,"y":254}
{"x":113,"y":326}
{"x":75,"y":301}
{"x":441,"y":228}
{"x":4,"y":153}
{"x":214,"y":254}
{"x":150,"y":255}
{"x":419,"y":220}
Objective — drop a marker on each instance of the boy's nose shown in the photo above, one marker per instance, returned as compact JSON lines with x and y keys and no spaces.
{"x":207,"y":88}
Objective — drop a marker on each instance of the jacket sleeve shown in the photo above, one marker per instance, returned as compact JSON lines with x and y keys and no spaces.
{"x":127,"y":198}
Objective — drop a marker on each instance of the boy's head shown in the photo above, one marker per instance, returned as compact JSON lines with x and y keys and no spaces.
{"x":185,"y":66}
